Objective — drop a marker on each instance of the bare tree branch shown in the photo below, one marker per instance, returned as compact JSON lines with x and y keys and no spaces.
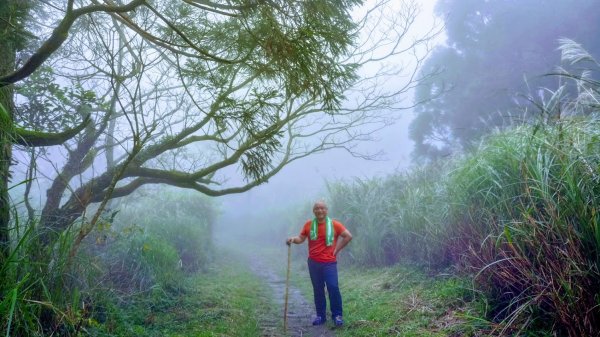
{"x":59,"y":36}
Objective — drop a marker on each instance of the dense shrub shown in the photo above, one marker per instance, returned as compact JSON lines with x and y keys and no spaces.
{"x":182,"y":219}
{"x":146,"y":249}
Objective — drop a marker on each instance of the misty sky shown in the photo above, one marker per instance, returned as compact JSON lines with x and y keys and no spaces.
{"x":305,"y":179}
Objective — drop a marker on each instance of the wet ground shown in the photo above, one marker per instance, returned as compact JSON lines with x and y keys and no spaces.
{"x":300,"y":310}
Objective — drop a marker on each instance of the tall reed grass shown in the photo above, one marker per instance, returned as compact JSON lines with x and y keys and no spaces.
{"x":397,"y":217}
{"x":38,"y":299}
{"x":535,"y":210}
{"x":520,"y":213}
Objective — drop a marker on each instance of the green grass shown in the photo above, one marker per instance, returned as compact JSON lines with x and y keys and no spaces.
{"x":403,"y":301}
{"x":393,"y":301}
{"x":229,"y":300}
{"x":225,"y":301}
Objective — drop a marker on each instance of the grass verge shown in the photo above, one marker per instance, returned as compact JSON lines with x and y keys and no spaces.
{"x":228,"y":300}
{"x":403,"y":301}
{"x":393,"y":301}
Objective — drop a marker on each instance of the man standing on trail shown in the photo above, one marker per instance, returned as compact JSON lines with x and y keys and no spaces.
{"x":327,"y":238}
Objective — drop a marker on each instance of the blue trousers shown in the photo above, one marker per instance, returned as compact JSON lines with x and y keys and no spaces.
{"x":325,"y":274}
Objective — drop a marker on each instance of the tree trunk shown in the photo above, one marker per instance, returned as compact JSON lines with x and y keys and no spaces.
{"x":54,"y":218}
{"x":7,"y":65}
{"x":5,"y":159}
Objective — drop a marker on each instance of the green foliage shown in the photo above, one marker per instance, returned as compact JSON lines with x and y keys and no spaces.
{"x":13,"y":18}
{"x":181,"y":219}
{"x":520,"y":214}
{"x":45,"y":103}
{"x":37,"y":299}
{"x":538,"y":187}
{"x":173,"y":239}
{"x":294,"y":47}
{"x":118,"y":263}
{"x":402,"y":301}
{"x":135,"y":260}
{"x":6,"y":122}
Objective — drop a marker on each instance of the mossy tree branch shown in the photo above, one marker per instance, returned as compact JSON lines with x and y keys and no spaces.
{"x":38,"y":138}
{"x":277,"y":103}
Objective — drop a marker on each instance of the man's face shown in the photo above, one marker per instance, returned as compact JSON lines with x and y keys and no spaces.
{"x":320,"y":211}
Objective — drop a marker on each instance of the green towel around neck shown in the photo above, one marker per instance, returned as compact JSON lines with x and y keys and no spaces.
{"x":328,"y":230}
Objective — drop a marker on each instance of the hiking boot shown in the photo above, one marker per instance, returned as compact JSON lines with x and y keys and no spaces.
{"x":319,"y":320}
{"x":338,"y":320}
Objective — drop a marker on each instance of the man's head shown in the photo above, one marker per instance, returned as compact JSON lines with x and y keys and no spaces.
{"x":320,"y":210}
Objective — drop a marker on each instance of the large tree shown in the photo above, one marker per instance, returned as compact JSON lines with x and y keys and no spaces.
{"x":193,"y":93}
{"x":495,"y":55}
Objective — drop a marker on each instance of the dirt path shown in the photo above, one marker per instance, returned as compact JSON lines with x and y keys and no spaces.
{"x":300,"y":311}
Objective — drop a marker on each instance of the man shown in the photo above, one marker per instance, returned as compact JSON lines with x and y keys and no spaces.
{"x":327,"y":238}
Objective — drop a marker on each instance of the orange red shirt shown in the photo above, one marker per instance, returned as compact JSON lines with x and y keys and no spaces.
{"x":318,"y":249}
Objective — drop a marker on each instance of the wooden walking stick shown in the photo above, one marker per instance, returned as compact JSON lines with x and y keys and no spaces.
{"x":287,"y":285}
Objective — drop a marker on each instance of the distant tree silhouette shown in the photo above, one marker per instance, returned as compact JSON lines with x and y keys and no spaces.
{"x":495,"y":51}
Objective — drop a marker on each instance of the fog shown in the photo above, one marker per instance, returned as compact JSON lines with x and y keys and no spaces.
{"x":468,"y":47}
{"x":155,"y":154}
{"x":303,"y":182}
{"x":496,"y":67}
{"x":389,"y":49}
